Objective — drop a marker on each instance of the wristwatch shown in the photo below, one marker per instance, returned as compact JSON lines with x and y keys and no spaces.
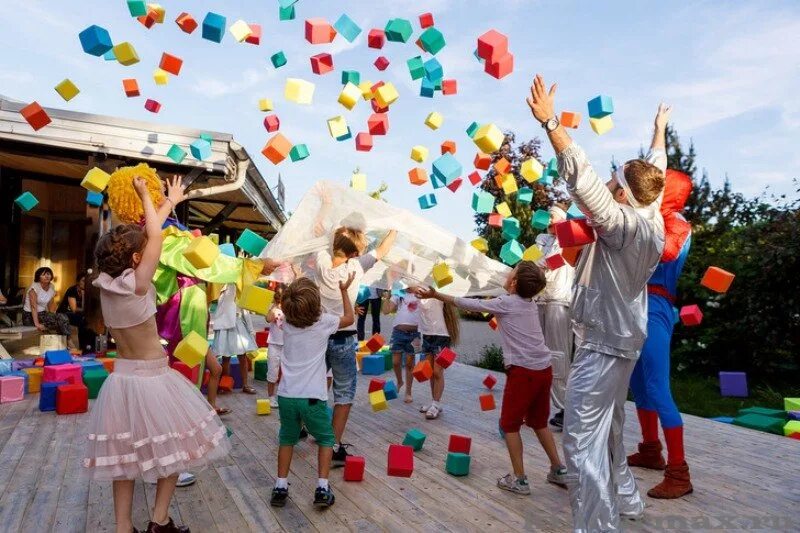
{"x":550,"y":124}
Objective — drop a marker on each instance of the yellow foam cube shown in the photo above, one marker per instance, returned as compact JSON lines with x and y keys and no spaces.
{"x":95,"y":180}
{"x":240,"y":30}
{"x":214,"y":238}
{"x":378,"y":401}
{"x":255,"y":299}
{"x":366,"y":89}
{"x":503,"y":209}
{"x":161,"y":77}
{"x":265,"y":104}
{"x":337,"y":126}
{"x":34,"y":378}
{"x":201,"y":252}
{"x":792,"y":426}
{"x":298,"y":91}
{"x":419,"y":153}
{"x":531,"y":170}
{"x":386,"y":94}
{"x":263,"y":407}
{"x":349,"y":95}
{"x":67,"y":90}
{"x":126,"y":54}
{"x":442,"y":275}
{"x":509,"y":182}
{"x":480,"y":244}
{"x":488,"y":138}
{"x":601,"y":125}
{"x":192,"y":349}
{"x":358,"y":182}
{"x":158,"y":11}
{"x":532,"y":253}
{"x":434,"y":120}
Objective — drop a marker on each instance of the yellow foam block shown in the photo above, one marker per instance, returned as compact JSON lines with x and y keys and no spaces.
{"x":386,"y":94}
{"x":240,"y":30}
{"x":214,"y":238}
{"x":337,"y":126}
{"x":442,"y":275}
{"x":95,"y":180}
{"x":601,"y":125}
{"x":480,"y":244}
{"x":263,"y":407}
{"x":358,"y":182}
{"x":366,"y":89}
{"x":509,"y":182}
{"x":34,"y":378}
{"x":255,"y":299}
{"x":792,"y":426}
{"x":201,"y":252}
{"x":377,"y":400}
{"x":298,"y":91}
{"x":192,"y":349}
{"x":503,"y":209}
{"x":265,"y":104}
{"x":360,"y":356}
{"x":349,"y":95}
{"x":161,"y":77}
{"x":488,"y":138}
{"x":532,"y":253}
{"x":158,"y":11}
{"x":531,"y":170}
{"x":67,"y":90}
{"x":126,"y":54}
{"x":434,"y":120}
{"x":419,"y":153}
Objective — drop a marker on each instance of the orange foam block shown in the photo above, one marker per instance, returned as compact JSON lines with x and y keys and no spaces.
{"x":35,"y":115}
{"x":277,"y":148}
{"x":375,"y":343}
{"x":570,"y":120}
{"x":493,"y":323}
{"x":482,"y":161}
{"x":170,"y":63}
{"x":423,"y":371}
{"x":487,"y":402}
{"x":717,"y":280}
{"x":445,"y":357}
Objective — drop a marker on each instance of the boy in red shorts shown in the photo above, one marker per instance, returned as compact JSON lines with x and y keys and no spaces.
{"x":526,"y":398}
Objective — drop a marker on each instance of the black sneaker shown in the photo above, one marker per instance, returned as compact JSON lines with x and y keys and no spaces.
{"x":279,"y":497}
{"x":340,"y":455}
{"x":558,"y":421}
{"x":323,"y":497}
{"x":303,"y":433}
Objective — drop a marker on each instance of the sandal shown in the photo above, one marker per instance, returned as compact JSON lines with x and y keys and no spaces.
{"x":432,"y":413}
{"x":248,"y":390}
{"x":222,"y":411}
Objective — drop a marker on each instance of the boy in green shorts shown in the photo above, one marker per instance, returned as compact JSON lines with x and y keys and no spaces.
{"x":302,"y":391}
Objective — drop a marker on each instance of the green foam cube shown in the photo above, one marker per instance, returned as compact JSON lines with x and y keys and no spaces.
{"x":432,"y":40}
{"x":286,"y":13}
{"x":525,"y":195}
{"x":278,"y":59}
{"x":347,"y":28}
{"x":388,"y":363}
{"x":398,"y":30}
{"x":767,"y":424}
{"x":472,"y":129}
{"x":763,"y":411}
{"x":791,"y":404}
{"x":416,"y":67}
{"x":457,"y":464}
{"x":552,"y":168}
{"x":511,"y":252}
{"x":511,"y":228}
{"x":351,"y":76}
{"x":176,"y":153}
{"x":260,"y":369}
{"x":298,"y":152}
{"x":251,"y":242}
{"x":414,"y":438}
{"x":540,"y":219}
{"x":94,"y":379}
{"x":482,"y":201}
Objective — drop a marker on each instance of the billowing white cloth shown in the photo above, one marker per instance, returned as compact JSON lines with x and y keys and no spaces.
{"x":419,"y":246}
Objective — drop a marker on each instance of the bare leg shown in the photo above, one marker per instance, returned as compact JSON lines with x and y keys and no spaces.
{"x":123,"y":505}
{"x":514,"y":445}
{"x":429,"y":356}
{"x":397,"y":362}
{"x":243,"y":369}
{"x":549,"y":445}
{"x":437,"y":382}
{"x":409,"y":378}
{"x":341,"y":412}
{"x":164,"y":490}
{"x":324,"y":456}
{"x":270,"y":389}
{"x":226,"y":366}
{"x":213,"y":381}
{"x":285,"y":460}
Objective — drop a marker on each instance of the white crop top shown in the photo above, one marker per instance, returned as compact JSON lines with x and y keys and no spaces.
{"x":122,"y":307}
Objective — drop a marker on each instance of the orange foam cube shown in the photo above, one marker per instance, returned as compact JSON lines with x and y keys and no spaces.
{"x":170,"y":63}
{"x":35,"y":115}
{"x":418,"y":176}
{"x":502,"y":166}
{"x":493,"y":323}
{"x":423,"y":371}
{"x":570,"y":120}
{"x":482,"y":161}
{"x":131,"y":87}
{"x":226,"y":384}
{"x":375,"y":343}
{"x":487,"y":402}
{"x":186,"y":22}
{"x":277,"y":148}
{"x":449,"y":146}
{"x":717,"y":280}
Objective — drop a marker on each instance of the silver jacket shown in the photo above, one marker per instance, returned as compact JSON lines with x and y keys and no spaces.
{"x":609,"y":304}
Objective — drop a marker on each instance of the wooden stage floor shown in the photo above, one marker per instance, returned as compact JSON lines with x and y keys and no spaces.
{"x":743,"y":479}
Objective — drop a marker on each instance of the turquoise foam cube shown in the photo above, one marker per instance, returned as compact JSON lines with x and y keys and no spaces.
{"x":511,"y":252}
{"x":426,"y":201}
{"x":26,"y":201}
{"x":137,"y":8}
{"x":511,"y":228}
{"x":552,"y":168}
{"x":201,"y":149}
{"x":227,"y":249}
{"x":206,"y":137}
{"x":94,"y":199}
{"x":298,"y":152}
{"x":251,"y":242}
{"x":95,"y":40}
{"x":286,"y":3}
{"x":483,"y":202}
{"x":540,"y":219}
{"x":110,"y":55}
{"x":723,"y":419}
{"x":600,"y":106}
{"x":427,"y":88}
{"x":478,"y":57}
{"x":286,"y":13}
{"x":472,"y":128}
{"x":457,"y":464}
{"x":398,"y":30}
{"x":351,"y":76}
{"x":574,"y":212}
{"x":278,"y":59}
{"x":446,"y":168}
{"x":214,"y":27}
{"x":390,"y":390}
{"x":432,"y":40}
{"x":545,"y":181}
{"x":416,"y":67}
{"x":372,"y":365}
{"x":433,"y":69}
{"x":345,"y":136}
{"x":414,"y":438}
{"x":177,"y":154}
{"x":347,"y":28}
{"x":525,"y":195}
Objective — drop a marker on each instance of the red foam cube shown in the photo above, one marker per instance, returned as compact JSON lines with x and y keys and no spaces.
{"x":492,"y":45}
{"x":575,"y":232}
{"x":35,"y":115}
{"x":554,"y":261}
{"x":376,"y":384}
{"x":717,"y":280}
{"x":422,"y":371}
{"x":255,"y":34}
{"x":131,"y":87}
{"x":474,"y":177}
{"x":262,"y":338}
{"x":375,"y":343}
{"x":378,"y":123}
{"x":400,"y":461}
{"x":354,"y":468}
{"x":376,"y":108}
{"x":170,"y":63}
{"x":226,"y":384}
{"x":489,"y":381}
{"x":72,"y":399}
{"x":487,"y":402}
{"x":149,"y":20}
{"x":381,"y":63}
{"x":482,"y":161}
{"x":425,"y":20}
{"x":459,"y":444}
{"x":319,"y":31}
{"x":376,"y":38}
{"x":496,"y":220}
{"x":501,"y":68}
{"x":321,"y":63}
{"x":152,"y":106}
{"x":691,"y":315}
{"x":455,"y":184}
{"x":186,"y":22}
{"x":449,"y":146}
{"x":272,"y":123}
{"x":445,"y":357}
{"x":364,"y":142}
{"x":190,"y":373}
{"x":493,"y":323}
{"x":449,"y":87}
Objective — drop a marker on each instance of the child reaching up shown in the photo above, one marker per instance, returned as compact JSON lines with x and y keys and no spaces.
{"x":439,"y":326}
{"x":526,"y":397}
{"x":275,"y":319}
{"x":302,"y":391}
{"x":405,"y":337}
{"x":148,"y":420}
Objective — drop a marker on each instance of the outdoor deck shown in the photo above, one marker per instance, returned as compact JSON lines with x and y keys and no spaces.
{"x":743,"y":479}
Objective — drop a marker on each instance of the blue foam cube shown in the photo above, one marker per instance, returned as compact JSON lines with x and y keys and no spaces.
{"x":390,"y":390}
{"x":347,"y":28}
{"x":5,"y":367}
{"x":427,"y":88}
{"x":372,"y":365}
{"x":110,"y":55}
{"x":87,"y":366}
{"x":206,"y":137}
{"x":552,"y":168}
{"x":57,"y":357}
{"x":214,"y":27}
{"x":426,"y":201}
{"x":446,"y":168}
{"x":525,"y":195}
{"x":94,"y":199}
{"x":545,"y":181}
{"x":483,"y":201}
{"x":472,"y":129}
{"x":47,"y":395}
{"x":235,"y":373}
{"x":95,"y":40}
{"x":600,"y":106}
{"x":723,"y":419}
{"x":433,"y":69}
{"x":227,"y":249}
{"x":26,"y":201}
{"x":574,"y":212}
{"x":363,"y":294}
{"x":201,"y":149}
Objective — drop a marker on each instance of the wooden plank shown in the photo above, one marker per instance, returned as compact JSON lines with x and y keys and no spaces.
{"x":194,"y":509}
{"x":71,"y":511}
{"x":227,"y":517}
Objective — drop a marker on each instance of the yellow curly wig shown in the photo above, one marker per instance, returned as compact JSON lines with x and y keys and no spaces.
{"x":122,"y":198}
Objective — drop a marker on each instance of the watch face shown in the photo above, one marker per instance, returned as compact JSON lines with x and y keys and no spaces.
{"x":551,"y":124}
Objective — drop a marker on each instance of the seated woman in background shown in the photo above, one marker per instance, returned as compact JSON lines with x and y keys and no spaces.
{"x":72,"y":305}
{"x":38,"y":308}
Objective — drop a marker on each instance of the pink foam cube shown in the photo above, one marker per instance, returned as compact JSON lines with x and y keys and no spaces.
{"x":12,"y":388}
{"x":71,"y":373}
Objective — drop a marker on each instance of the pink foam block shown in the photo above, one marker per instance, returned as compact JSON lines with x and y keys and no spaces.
{"x":12,"y":388}
{"x":70,"y":373}
{"x":691,"y":315}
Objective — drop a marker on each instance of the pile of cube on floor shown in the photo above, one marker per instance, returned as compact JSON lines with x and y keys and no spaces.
{"x":778,"y":421}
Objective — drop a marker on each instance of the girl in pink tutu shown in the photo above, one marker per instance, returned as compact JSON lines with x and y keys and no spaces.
{"x":148,"y":421}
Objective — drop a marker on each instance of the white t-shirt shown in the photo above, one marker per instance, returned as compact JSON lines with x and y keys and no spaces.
{"x":303,"y":360}
{"x":276,"y":327}
{"x":431,"y":317}
{"x":328,"y":279}
{"x":43,"y":297}
{"x":407,"y":310}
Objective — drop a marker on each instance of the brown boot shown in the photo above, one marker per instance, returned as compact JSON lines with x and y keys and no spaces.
{"x":648,"y":456}
{"x":676,"y":483}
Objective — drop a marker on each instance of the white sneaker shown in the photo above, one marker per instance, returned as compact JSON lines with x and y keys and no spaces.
{"x":185,"y":479}
{"x":424,"y":408}
{"x":512,"y":483}
{"x":558,"y":476}
{"x":433,"y":412}
{"x":273,"y":402}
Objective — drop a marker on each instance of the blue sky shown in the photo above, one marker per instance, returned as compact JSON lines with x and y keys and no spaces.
{"x":730,"y":70}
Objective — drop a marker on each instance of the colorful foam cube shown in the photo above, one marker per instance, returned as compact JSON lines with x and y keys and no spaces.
{"x":570,"y":119}
{"x":487,"y":402}
{"x":358,"y":182}
{"x":69,"y":373}
{"x":723,"y":419}
{"x":126,"y":54}
{"x":190,"y":373}
{"x":480,"y":244}
{"x":422,"y":371}
{"x":733,"y":384}
{"x":763,"y":423}
{"x":375,"y":343}
{"x":457,"y":464}
{"x":272,"y":123}
{"x":35,"y":115}
{"x":321,"y":63}
{"x":398,"y":30}
{"x":157,"y":11}
{"x":170,"y":63}
{"x":226,"y":384}
{"x":419,"y":153}
{"x":442,"y":275}
{"x":525,"y":195}
{"x":57,"y":357}
{"x":400,"y":461}
{"x":381,"y":63}
{"x":214,"y":27}
{"x":532,"y":253}
{"x":574,"y":212}
{"x":72,"y":399}
{"x":495,"y":219}
{"x":131,"y":87}
{"x":298,"y":152}
{"x":791,"y":404}
{"x":427,"y":201}
{"x":432,"y":40}
{"x":390,"y":389}
{"x":376,"y":38}
{"x":434,"y":120}
{"x":483,"y":201}
{"x":262,"y":337}
{"x":240,"y":30}
{"x":26,"y":201}
{"x":277,"y":148}
{"x":717,"y":279}
{"x":601,"y":125}
{"x":600,"y":106}
{"x":791,"y":427}
{"x":298,"y":91}
{"x":265,"y":104}
{"x":455,"y":184}
{"x":96,"y":180}
{"x":94,"y":380}
{"x":347,"y":28}
{"x":286,"y":13}
{"x":337,"y":126}
{"x":415,"y":439}
{"x":459,"y":444}
{"x":137,"y":8}
{"x":425,"y":20}
{"x":489,"y":381}
{"x":482,"y":161}
{"x":576,"y":232}
{"x":531,"y":170}
{"x":354,"y":466}
{"x":278,"y":59}
{"x":95,"y":40}
{"x":47,"y":396}
{"x":191,"y":349}
{"x":433,"y":69}
{"x":12,"y":388}
{"x":251,"y":242}
{"x":502,"y":67}
{"x":427,"y":88}
{"x":503,"y":209}
{"x":446,"y":168}
{"x":540,"y":219}
{"x":201,"y":149}
{"x":488,"y":138}
{"x":378,"y":123}
{"x":108,"y":363}
{"x":511,"y":228}
{"x":364,"y":142}
{"x":385,"y":95}
{"x":416,"y":67}
{"x":152,"y":105}
{"x":492,"y":45}
{"x":377,"y":400}
{"x":372,"y":365}
{"x":176,"y":153}
{"x":67,"y":90}
{"x":474,"y":177}
{"x":201,"y":252}
{"x":418,"y":176}
{"x":763,"y":411}
{"x":446,"y":357}
{"x":691,"y":315}
{"x":353,"y":77}
{"x":35,"y":375}
{"x":511,"y":252}
{"x":255,"y":34}
{"x":263,"y":407}
{"x":256,"y":299}
{"x":319,"y":31}
{"x":186,"y":22}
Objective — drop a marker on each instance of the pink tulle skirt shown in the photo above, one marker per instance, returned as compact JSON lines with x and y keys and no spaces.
{"x":149,"y":422}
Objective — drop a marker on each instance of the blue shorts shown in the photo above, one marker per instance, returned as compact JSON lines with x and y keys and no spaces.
{"x":341,"y":361}
{"x":401,"y":341}
{"x":433,"y":344}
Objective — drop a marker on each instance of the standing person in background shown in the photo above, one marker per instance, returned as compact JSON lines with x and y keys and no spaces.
{"x":553,"y":304}
{"x":439,"y":326}
{"x":405,"y":336}
{"x":233,"y":334}
{"x":275,"y":319}
{"x":371,"y":305}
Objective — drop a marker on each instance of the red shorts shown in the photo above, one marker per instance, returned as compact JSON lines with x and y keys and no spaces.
{"x":526,"y":398}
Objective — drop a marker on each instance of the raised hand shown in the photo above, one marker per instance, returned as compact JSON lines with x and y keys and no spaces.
{"x":662,"y":115}
{"x":140,"y":186}
{"x":344,"y":285}
{"x":175,"y":190}
{"x":424,"y":293}
{"x":541,"y":100}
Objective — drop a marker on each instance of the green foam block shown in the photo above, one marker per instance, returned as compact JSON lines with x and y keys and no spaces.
{"x":414,"y":438}
{"x":457,"y":464}
{"x":767,"y":424}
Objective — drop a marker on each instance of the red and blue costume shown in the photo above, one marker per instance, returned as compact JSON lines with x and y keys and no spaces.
{"x":650,"y":378}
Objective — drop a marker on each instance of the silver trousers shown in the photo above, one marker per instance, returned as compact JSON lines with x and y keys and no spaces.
{"x":600,"y":483}
{"x":557,"y":329}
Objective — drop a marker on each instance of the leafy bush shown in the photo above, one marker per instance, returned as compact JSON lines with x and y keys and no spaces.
{"x":491,"y":358}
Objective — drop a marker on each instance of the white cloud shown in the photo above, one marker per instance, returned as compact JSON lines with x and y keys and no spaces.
{"x":214,"y":88}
